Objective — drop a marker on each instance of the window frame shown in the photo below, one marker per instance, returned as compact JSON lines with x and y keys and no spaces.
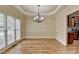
{"x":18,"y":29}
{"x":11,"y":30}
{"x":5,"y":29}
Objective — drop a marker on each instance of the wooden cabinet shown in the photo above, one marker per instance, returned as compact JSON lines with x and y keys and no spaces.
{"x":69,"y":22}
{"x":70,"y":37}
{"x":72,"y":21}
{"x":76,"y":18}
{"x":75,"y":36}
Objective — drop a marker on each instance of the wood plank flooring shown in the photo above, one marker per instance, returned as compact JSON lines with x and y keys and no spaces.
{"x":43,"y":46}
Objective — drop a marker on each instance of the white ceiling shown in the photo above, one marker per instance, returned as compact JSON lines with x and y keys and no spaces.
{"x":44,"y":9}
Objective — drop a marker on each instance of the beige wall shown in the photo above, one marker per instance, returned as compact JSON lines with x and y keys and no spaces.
{"x":61,"y":22}
{"x":31,"y":29}
{"x":12,"y":11}
{"x":40,"y":30}
{"x":53,"y":25}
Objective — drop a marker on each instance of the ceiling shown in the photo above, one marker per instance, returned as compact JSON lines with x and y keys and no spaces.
{"x":44,"y":9}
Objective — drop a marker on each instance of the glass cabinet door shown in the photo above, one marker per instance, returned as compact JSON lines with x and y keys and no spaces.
{"x":2,"y":37}
{"x":10,"y":29}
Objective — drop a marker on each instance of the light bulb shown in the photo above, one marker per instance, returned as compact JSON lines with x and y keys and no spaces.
{"x":34,"y":18}
{"x":42,"y":18}
{"x":37,"y":17}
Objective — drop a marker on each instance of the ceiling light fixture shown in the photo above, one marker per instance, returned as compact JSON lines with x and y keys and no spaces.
{"x":38,"y":18}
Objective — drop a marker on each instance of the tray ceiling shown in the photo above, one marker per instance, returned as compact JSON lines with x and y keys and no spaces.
{"x":44,"y":9}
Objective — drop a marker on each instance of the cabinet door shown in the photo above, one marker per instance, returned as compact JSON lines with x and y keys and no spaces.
{"x":70,"y":22}
{"x":75,"y":36}
{"x":70,"y":38}
{"x":73,"y":22}
{"x":76,"y":19}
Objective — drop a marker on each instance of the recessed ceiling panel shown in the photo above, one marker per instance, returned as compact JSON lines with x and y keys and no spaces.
{"x":44,"y":9}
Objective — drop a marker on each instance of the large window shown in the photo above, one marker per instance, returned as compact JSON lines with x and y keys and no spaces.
{"x":10,"y":30}
{"x":2,"y":38}
{"x":18,"y":28}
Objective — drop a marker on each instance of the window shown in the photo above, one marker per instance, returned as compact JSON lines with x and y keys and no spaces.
{"x":18,"y":28}
{"x":10,"y":29}
{"x":2,"y":38}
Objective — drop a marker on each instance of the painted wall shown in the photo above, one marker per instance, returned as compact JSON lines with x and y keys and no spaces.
{"x":44,"y":29}
{"x":61,"y":22}
{"x":31,"y":29}
{"x":12,"y":11}
{"x":53,"y":25}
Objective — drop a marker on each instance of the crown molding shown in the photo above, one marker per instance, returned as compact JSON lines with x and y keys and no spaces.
{"x":53,"y":12}
{"x":26,"y":13}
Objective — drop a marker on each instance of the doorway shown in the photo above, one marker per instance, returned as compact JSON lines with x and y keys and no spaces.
{"x":73,"y":28}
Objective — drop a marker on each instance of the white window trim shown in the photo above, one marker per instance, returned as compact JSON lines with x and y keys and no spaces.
{"x":5,"y":29}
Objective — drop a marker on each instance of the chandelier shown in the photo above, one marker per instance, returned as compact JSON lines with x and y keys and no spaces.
{"x":38,"y":18}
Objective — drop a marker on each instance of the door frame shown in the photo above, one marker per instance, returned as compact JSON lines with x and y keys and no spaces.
{"x":67,"y":17}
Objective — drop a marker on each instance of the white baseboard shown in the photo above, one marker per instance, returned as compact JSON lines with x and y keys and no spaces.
{"x":49,"y":38}
{"x":39,"y":37}
{"x":61,"y":36}
{"x":61,"y":41}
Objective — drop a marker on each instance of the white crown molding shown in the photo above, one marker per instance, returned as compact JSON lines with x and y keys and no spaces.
{"x":20,"y":9}
{"x":53,"y":12}
{"x":26,"y":13}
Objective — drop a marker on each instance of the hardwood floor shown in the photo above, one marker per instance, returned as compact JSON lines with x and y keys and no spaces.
{"x":43,"y":46}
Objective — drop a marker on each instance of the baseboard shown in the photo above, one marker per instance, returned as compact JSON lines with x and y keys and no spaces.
{"x":47,"y":38}
{"x":37,"y":38}
{"x":61,"y":41}
{"x":40,"y":37}
{"x":6,"y":48}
